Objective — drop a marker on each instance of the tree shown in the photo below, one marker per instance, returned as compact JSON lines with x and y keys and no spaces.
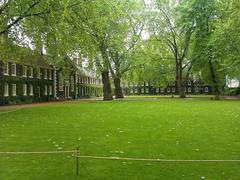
{"x":204,"y":49}
{"x":226,"y":37}
{"x":123,"y":49}
{"x":175,"y":36}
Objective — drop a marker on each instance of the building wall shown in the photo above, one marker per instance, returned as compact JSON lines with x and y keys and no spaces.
{"x":40,"y":84}
{"x":191,"y":87}
{"x":26,"y":85}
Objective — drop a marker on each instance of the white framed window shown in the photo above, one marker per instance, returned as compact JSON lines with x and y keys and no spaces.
{"x":50,"y":90}
{"x":25,"y":89}
{"x":185,"y":89}
{"x":189,"y":89}
{"x":50,"y":74}
{"x":45,"y":74}
{"x":157,"y":90}
{"x":72,"y":79}
{"x":24,"y":71}
{"x":14,"y":69}
{"x":14,"y":89}
{"x":206,"y":89}
{"x":72,"y":87}
{"x":38,"y":73}
{"x":168,"y":90}
{"x":31,"y":90}
{"x":189,"y":83}
{"x":6,"y":90}
{"x":147,"y":90}
{"x":30,"y":72}
{"x":6,"y":69}
{"x":61,"y":82}
{"x":142,"y":90}
{"x":162,"y":90}
{"x":173,"y":89}
{"x":131,"y":91}
{"x":46,"y":90}
{"x":196,"y":89}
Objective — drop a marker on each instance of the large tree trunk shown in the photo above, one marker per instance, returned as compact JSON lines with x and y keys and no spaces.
{"x":214,"y":80}
{"x":107,"y":91}
{"x":118,"y":88}
{"x":179,"y":80}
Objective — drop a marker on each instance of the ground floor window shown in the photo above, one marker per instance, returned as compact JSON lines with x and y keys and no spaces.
{"x":189,"y":89}
{"x":173,"y":90}
{"x":162,"y":90}
{"x":50,"y":89}
{"x":147,"y":90}
{"x":72,"y":87}
{"x":206,"y":89}
{"x":196,"y":89}
{"x":31,"y":90}
{"x":45,"y":90}
{"x":131,"y":90}
{"x":25,"y":89}
{"x":14,"y":89}
{"x":6,"y":90}
{"x":168,"y":90}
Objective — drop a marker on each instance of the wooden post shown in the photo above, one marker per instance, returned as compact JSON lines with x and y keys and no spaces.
{"x":77,"y":160}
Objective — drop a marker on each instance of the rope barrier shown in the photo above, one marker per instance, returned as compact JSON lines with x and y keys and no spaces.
{"x":40,"y":152}
{"x":154,"y":160}
{"x":129,"y":158}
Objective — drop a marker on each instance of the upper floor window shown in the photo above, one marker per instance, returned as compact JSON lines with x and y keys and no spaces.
{"x":189,"y":83}
{"x":45,"y":74}
{"x":72,"y":79}
{"x":50,"y":74}
{"x":31,"y":90}
{"x":14,"y":69}
{"x":25,"y":89}
{"x":6,"y":69}
{"x":6,"y":90}
{"x":38,"y":73}
{"x":24,"y":71}
{"x":30,"y":72}
{"x":14,"y":89}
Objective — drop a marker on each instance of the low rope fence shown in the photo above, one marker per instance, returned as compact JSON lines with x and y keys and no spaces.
{"x":78,"y":156}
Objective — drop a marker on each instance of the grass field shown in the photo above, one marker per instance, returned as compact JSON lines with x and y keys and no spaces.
{"x":164,"y":129}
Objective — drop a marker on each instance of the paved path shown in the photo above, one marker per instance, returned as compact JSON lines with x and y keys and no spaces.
{"x":20,"y":106}
{"x":10,"y":108}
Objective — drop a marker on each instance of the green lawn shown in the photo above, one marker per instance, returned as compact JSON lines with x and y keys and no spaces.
{"x":164,"y":129}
